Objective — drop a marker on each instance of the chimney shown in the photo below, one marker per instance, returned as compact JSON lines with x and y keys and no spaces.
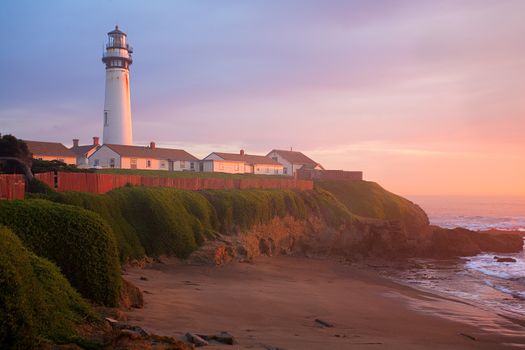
{"x":96,"y":141}
{"x":152,"y":145}
{"x":241,"y":152}
{"x":75,"y":142}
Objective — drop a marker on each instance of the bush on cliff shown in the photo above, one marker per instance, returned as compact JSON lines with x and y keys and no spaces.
{"x":110,"y":209}
{"x":150,"y":221}
{"x":36,"y":301}
{"x":157,"y":221}
{"x":368,"y":199}
{"x":77,"y":240}
{"x":238,"y":210}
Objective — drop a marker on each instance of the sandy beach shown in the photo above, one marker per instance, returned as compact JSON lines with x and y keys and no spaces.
{"x":273,"y":303}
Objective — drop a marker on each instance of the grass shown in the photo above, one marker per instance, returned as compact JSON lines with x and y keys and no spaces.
{"x":156,"y":221}
{"x":77,"y":240}
{"x":368,"y":199}
{"x":188,"y":174}
{"x":37,"y":303}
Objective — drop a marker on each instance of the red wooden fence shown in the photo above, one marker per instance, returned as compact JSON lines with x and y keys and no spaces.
{"x":102,"y":183}
{"x":12,"y":186}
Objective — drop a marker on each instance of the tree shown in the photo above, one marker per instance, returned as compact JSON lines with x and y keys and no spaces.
{"x":15,"y":155}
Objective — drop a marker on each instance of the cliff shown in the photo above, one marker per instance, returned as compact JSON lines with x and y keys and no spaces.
{"x":378,"y":224}
{"x":354,"y":219}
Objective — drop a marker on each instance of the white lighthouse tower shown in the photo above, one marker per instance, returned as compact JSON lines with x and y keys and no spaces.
{"x":117,"y":104}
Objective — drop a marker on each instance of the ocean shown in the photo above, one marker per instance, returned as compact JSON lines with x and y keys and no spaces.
{"x":496,"y":289}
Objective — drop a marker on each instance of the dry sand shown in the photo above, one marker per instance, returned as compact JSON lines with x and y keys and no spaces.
{"x":273,"y":303}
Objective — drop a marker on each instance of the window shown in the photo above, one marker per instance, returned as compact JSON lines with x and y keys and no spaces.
{"x":96,"y":162}
{"x":192,"y":166}
{"x":276,"y":171}
{"x":148,"y":163}
{"x":267,"y":170}
{"x":112,"y":162}
{"x":106,"y":118}
{"x":221,"y":166}
{"x":133,"y":163}
{"x":183,"y":164}
{"x":285,"y":170}
{"x":275,"y":158}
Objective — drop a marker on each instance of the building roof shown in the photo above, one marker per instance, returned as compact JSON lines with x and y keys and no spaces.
{"x":148,"y":152}
{"x":247,"y":158}
{"x":83,"y":150}
{"x":51,"y":149}
{"x":295,"y":157}
{"x":117,"y":31}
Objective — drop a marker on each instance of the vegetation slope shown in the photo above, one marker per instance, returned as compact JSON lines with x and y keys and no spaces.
{"x":36,"y":302}
{"x":77,"y":240}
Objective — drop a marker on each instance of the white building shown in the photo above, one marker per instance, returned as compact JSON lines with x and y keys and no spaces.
{"x":241,"y":163}
{"x":117,"y":104}
{"x":293,"y":161}
{"x":83,"y":152}
{"x":51,"y":151}
{"x":144,"y":158}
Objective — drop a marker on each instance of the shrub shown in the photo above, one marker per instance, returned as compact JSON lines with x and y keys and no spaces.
{"x":77,"y":240}
{"x":150,"y":221}
{"x":37,"y":186}
{"x":36,"y":301}
{"x":368,"y":199}
{"x":110,"y":209}
{"x":156,"y":221}
{"x":241,"y":209}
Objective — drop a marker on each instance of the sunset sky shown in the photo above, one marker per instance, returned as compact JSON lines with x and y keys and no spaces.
{"x":426,"y":97}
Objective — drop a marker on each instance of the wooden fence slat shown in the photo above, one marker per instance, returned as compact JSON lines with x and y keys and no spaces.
{"x":12,"y":186}
{"x":102,"y":183}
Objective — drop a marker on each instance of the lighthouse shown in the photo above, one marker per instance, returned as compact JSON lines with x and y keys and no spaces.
{"x":117,"y":104}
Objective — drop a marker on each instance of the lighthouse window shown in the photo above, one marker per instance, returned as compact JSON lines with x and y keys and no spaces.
{"x":106,"y":119}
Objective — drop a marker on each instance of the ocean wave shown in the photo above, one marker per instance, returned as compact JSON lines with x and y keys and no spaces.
{"x":506,"y":290}
{"x":487,"y":265}
{"x":498,"y":274}
{"x":480,"y":223}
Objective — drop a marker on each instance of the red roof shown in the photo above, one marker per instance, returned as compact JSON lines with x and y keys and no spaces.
{"x":50,"y":149}
{"x":247,"y":158}
{"x":295,"y":157}
{"x":83,"y":150}
{"x":154,"y":153}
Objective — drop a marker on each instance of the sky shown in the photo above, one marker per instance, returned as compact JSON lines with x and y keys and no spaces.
{"x":425,"y":97}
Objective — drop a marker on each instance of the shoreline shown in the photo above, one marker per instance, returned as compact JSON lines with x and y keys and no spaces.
{"x":274,"y":302}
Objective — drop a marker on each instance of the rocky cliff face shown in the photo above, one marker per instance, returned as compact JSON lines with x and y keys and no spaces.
{"x":387,"y":226}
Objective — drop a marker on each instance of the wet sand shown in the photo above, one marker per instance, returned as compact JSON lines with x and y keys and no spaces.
{"x":273,"y":303}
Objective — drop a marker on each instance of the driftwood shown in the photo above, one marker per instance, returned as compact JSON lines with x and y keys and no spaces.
{"x":324,"y":323}
{"x":196,"y":339}
{"x":25,"y":168}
